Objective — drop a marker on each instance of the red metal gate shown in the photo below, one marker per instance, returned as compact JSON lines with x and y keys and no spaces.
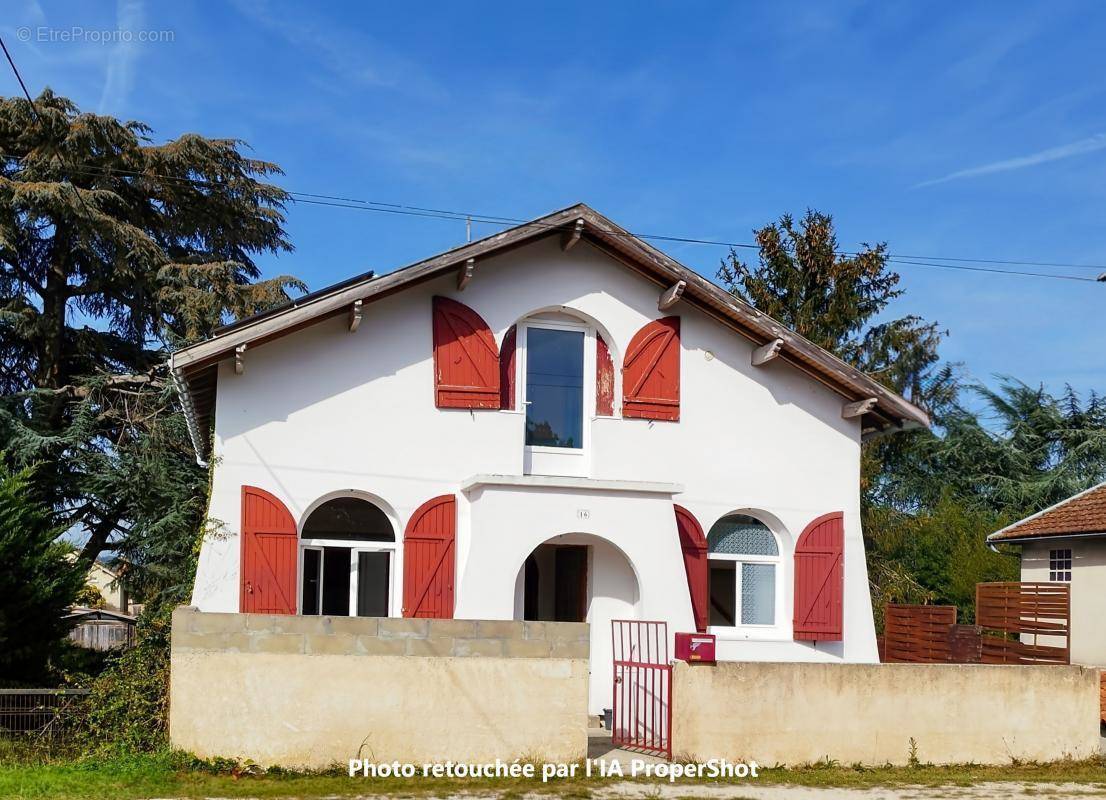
{"x":642,"y":687}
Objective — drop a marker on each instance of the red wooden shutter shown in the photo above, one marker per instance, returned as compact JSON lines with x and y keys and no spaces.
{"x":604,"y":378}
{"x":694,"y":545}
{"x":651,"y":372}
{"x":820,"y":579}
{"x":428,"y":559}
{"x":269,"y":544}
{"x":466,"y":360}
{"x":507,"y":369}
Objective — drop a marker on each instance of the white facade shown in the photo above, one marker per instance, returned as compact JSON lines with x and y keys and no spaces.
{"x":325,"y":412}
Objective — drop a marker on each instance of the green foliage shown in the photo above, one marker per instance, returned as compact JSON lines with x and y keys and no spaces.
{"x":803,"y":280}
{"x":128,"y":706}
{"x":933,"y":556}
{"x":111,"y":248}
{"x":1023,"y":452}
{"x":37,"y":583}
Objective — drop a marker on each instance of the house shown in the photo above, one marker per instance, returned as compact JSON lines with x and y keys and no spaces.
{"x":557,"y":422}
{"x":1066,"y":543}
{"x":108,"y":583}
{"x":105,"y":617}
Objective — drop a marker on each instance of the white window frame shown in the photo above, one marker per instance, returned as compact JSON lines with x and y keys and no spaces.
{"x":355,"y":546}
{"x":1057,"y":557}
{"x":571,"y":461}
{"x":772,"y":630}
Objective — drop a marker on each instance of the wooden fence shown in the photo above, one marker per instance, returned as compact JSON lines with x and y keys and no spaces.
{"x":1016,"y":623}
{"x":1024,"y":623}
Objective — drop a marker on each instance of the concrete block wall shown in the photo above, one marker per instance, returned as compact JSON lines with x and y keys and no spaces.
{"x":315,"y":691}
{"x":777,"y":713}
{"x":371,"y":636}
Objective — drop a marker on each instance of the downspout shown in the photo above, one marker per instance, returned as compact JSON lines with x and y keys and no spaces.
{"x":180,"y":384}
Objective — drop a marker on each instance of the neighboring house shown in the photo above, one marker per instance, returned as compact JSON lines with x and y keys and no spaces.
{"x":1066,"y":543}
{"x":106,"y":617}
{"x":557,"y":422}
{"x":110,"y":585}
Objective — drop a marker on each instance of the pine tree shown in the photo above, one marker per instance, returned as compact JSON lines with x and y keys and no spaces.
{"x":113,"y":248}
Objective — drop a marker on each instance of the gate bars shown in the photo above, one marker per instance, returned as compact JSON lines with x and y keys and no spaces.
{"x":642,"y":704}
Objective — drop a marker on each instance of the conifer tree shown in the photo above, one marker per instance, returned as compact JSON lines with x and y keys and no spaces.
{"x":113,"y":248}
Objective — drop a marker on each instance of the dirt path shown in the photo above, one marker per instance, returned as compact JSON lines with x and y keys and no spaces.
{"x":982,"y":791}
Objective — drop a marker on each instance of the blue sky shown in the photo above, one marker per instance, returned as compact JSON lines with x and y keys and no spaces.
{"x":946,"y":129}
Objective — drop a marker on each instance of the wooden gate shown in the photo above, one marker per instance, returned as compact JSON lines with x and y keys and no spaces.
{"x":642,"y":687}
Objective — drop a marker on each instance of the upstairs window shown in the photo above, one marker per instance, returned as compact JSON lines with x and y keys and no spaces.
{"x":744,"y":563}
{"x":1059,"y":566}
{"x":554,"y":387}
{"x":347,"y":547}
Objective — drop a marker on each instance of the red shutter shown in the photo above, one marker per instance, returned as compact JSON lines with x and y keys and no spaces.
{"x":694,"y":545}
{"x":507,"y":370}
{"x":651,"y":372}
{"x":428,"y":559}
{"x":269,"y":545}
{"x":604,"y":378}
{"x":820,"y":579}
{"x":466,"y":360}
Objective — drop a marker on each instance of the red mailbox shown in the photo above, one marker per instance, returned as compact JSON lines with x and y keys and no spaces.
{"x":695,"y":647}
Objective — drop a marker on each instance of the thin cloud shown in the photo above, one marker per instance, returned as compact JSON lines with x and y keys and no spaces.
{"x":1089,"y":145}
{"x":119,"y":77}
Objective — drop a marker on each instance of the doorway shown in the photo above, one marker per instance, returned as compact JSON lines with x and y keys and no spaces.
{"x":556,"y":583}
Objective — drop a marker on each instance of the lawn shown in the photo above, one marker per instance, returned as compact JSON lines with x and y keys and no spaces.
{"x":177,"y":775}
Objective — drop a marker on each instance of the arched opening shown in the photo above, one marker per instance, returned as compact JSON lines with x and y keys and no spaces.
{"x":580,"y":578}
{"x":745,"y":584}
{"x":347,"y":555}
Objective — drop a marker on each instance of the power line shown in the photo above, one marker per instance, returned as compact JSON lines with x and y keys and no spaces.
{"x":38,"y":118}
{"x":380,"y":207}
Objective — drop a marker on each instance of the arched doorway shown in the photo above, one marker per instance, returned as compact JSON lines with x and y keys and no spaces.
{"x":347,"y":555}
{"x":580,"y":577}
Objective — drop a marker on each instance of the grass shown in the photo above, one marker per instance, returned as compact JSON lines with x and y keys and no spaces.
{"x":25,"y":776}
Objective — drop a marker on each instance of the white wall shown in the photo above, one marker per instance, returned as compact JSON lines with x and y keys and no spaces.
{"x":325,"y":411}
{"x":1088,"y":592}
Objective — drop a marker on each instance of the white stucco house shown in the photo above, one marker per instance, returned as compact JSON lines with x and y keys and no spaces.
{"x":556,"y":422}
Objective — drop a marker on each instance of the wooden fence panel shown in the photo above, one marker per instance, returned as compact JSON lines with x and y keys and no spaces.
{"x":1024,"y":622}
{"x":917,"y":634}
{"x":1102,"y":695}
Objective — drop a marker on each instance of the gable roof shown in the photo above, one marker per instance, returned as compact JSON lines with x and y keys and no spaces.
{"x":195,"y":373}
{"x":1084,"y":513}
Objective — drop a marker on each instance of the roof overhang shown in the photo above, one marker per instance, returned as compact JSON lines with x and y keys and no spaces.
{"x":1010,"y":534}
{"x":195,"y":373}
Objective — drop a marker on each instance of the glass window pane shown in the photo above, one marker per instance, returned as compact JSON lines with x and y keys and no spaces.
{"x":336,"y":581}
{"x":310,"y":601}
{"x":758,"y":594}
{"x":372,"y":584}
{"x":723,"y":593}
{"x":554,"y":387}
{"x":349,"y":518}
{"x":741,"y":534}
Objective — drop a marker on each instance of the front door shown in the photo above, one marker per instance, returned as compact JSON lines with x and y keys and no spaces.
{"x":571,"y":596}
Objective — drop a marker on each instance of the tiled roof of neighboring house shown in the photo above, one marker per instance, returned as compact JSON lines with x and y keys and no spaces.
{"x":1083,"y":513}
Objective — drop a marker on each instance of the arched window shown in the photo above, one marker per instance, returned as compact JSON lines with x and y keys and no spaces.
{"x":744,"y":562}
{"x":348,"y":548}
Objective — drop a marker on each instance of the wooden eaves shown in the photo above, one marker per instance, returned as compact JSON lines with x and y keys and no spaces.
{"x":195,"y":367}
